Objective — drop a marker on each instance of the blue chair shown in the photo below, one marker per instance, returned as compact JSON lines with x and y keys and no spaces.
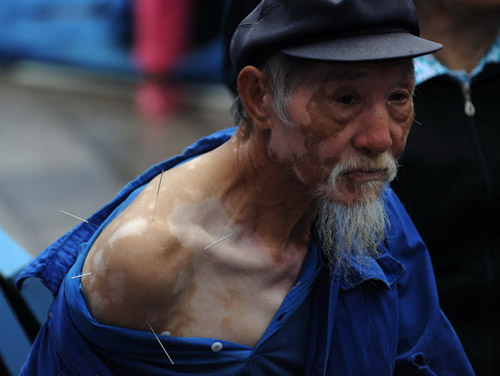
{"x":21,"y":313}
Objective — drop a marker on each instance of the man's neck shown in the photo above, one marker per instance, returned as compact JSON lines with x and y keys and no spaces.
{"x":262,"y":197}
{"x":466,"y":34}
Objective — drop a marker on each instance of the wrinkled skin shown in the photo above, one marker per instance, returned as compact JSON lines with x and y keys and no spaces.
{"x":150,"y":265}
{"x":359,"y":111}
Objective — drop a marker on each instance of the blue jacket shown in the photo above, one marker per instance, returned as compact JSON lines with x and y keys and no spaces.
{"x":384,"y":320}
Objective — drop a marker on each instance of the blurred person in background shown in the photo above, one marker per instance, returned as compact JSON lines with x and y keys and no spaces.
{"x":449,"y":179}
{"x":276,"y":247}
{"x":161,"y":37}
{"x":173,"y":41}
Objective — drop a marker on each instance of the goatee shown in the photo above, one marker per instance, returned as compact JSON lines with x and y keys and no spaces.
{"x":351,"y":232}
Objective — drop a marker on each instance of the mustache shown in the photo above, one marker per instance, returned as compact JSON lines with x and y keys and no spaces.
{"x":384,"y":163}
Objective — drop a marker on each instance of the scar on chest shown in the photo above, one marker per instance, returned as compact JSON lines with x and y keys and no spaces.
{"x":134,"y":227}
{"x":199,"y":223}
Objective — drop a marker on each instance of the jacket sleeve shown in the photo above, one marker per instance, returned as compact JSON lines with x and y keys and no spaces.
{"x":427,"y":343}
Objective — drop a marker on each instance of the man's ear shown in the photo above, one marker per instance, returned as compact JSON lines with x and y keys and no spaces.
{"x":254,"y":94}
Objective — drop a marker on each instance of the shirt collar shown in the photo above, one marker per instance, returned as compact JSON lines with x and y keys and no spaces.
{"x":384,"y":269}
{"x":427,"y":67}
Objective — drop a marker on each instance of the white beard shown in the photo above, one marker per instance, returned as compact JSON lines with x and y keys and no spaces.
{"x":352,"y":232}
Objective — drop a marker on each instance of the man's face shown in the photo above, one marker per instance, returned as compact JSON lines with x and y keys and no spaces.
{"x":357,"y":115}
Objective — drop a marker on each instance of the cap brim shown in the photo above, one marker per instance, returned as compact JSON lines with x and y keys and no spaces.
{"x":366,"y":48}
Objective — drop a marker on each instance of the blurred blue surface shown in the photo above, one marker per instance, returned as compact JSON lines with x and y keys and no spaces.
{"x":90,"y":33}
{"x":37,"y":297}
{"x":20,"y":313}
{"x":14,"y":343}
{"x":12,"y":256}
{"x":203,"y":64}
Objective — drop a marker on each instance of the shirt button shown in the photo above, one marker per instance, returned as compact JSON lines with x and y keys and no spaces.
{"x":216,"y":346}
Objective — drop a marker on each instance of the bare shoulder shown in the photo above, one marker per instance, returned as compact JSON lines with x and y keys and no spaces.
{"x":135,"y":263}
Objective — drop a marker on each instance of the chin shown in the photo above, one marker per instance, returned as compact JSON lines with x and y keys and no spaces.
{"x":364,"y":193}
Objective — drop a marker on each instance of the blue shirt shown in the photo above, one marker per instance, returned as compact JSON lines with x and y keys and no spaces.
{"x":384,"y":320}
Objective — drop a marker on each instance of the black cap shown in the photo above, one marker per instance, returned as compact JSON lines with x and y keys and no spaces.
{"x":329,"y":30}
{"x":235,"y":11}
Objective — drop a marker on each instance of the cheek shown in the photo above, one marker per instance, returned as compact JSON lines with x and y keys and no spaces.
{"x":400,"y":140}
{"x":405,"y":131}
{"x":298,"y":106}
{"x":326,"y":141}
{"x":328,"y":149}
{"x":286,"y":143}
{"x":406,"y":126}
{"x":322,"y":157}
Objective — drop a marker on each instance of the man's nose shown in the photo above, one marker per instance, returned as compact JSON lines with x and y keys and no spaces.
{"x":374,"y":131}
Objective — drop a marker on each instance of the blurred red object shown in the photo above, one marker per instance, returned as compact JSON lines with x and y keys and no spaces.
{"x":158,"y":102}
{"x":162,"y":30}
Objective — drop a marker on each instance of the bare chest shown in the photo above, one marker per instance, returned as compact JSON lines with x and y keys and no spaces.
{"x":231,"y":298}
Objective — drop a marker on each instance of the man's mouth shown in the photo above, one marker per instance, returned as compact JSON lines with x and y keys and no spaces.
{"x":362,"y":173}
{"x":365,"y":176}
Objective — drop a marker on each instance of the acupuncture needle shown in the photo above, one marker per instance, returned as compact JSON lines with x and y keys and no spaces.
{"x":218,"y":241}
{"x":76,"y":217}
{"x":157,"y":194}
{"x":161,"y":344}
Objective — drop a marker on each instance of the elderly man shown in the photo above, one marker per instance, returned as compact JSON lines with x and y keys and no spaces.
{"x":276,"y":248}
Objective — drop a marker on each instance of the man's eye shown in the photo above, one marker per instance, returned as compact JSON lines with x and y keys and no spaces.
{"x":399,"y":97}
{"x":347,"y":99}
